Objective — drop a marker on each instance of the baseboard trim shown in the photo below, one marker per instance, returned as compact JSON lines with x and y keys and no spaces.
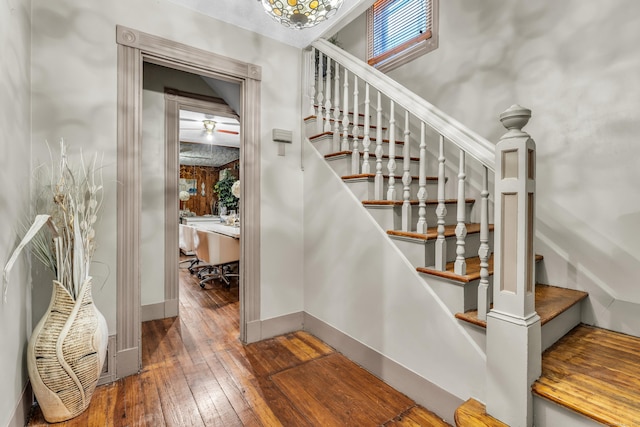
{"x":127,"y":362}
{"x":269,"y":328}
{"x":282,"y":325}
{"x":108,"y":374}
{"x":21,"y":413}
{"x":402,"y":379}
{"x":159,"y":310}
{"x":171,"y":307}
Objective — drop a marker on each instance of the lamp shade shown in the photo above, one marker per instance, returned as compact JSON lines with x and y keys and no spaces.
{"x":184,"y":196}
{"x":301,"y":14}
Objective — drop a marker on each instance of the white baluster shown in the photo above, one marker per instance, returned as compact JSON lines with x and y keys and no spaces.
{"x":391,"y":166}
{"x":379,"y":179}
{"x":366,"y":142}
{"x":484,"y":251}
{"x":345,"y":114}
{"x":312,"y":89}
{"x":355,"y":157}
{"x":406,"y":177}
{"x":320,"y":99}
{"x":327,"y":104}
{"x":441,"y":212}
{"x":422,"y":183}
{"x":336,"y":108}
{"x":460,"y":266}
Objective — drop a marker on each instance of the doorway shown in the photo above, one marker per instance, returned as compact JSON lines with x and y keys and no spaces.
{"x":134,"y":49}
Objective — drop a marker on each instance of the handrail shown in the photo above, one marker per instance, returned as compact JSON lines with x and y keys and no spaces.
{"x":473,"y":144}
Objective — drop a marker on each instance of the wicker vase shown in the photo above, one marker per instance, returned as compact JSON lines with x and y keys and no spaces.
{"x":66,"y":353}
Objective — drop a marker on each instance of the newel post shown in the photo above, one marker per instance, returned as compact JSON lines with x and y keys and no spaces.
{"x":513,"y":326}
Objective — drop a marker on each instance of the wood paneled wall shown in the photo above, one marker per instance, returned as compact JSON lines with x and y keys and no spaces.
{"x":199,"y":204}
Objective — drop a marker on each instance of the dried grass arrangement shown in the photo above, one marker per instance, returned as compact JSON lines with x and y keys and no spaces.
{"x":68,"y":346}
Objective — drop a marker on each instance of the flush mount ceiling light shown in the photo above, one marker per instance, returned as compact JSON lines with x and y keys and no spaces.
{"x":301,"y":14}
{"x":209,"y":126}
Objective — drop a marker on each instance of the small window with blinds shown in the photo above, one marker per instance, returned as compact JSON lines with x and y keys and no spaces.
{"x":399,"y":31}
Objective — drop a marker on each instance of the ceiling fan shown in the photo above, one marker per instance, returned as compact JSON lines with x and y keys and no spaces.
{"x":210,"y":127}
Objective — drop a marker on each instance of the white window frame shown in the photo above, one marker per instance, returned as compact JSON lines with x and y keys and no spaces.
{"x":404,"y":54}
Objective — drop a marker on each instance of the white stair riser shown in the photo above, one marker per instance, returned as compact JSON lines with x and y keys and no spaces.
{"x":550,"y":414}
{"x":555,"y":329}
{"x":390,"y":217}
{"x":422,"y":253}
{"x":325,"y":145}
{"x":364,"y":188}
{"x":342,"y":165}
{"x":458,"y":297}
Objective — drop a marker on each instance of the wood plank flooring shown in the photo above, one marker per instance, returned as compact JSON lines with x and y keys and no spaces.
{"x":596,"y":373}
{"x":197,"y":373}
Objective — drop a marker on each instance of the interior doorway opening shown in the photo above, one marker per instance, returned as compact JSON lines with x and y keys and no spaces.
{"x":191,"y":145}
{"x":135,"y":49}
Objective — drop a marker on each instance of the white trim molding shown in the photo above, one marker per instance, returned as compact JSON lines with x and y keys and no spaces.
{"x":21,"y":412}
{"x":135,"y":48}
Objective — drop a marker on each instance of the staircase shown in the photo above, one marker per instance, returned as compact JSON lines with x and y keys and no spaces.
{"x":449,"y":240}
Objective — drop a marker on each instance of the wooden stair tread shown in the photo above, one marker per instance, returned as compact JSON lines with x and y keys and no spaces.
{"x":473,"y":270}
{"x":596,"y":373}
{"x":373,"y":175}
{"x":315,"y":117}
{"x":417,"y":416}
{"x":551,"y":301}
{"x":413,"y":202}
{"x":333,"y":120}
{"x":432,"y":232}
{"x":473,"y":414}
{"x":350,"y":136}
{"x":345,"y":153}
{"x":350,"y":113}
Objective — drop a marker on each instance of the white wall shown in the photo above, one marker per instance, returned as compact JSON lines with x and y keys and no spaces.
{"x":575,"y":64}
{"x":357,"y":281}
{"x":15,"y":168}
{"x":74,"y":95}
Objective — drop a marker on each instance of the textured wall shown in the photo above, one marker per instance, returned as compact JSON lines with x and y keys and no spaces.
{"x":575,"y":64}
{"x":15,"y":168}
{"x":75,"y":93}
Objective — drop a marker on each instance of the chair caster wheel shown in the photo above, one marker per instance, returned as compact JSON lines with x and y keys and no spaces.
{"x":202,"y":285}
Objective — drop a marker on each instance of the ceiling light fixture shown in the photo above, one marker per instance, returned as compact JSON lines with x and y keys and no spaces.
{"x":209,"y":126}
{"x":301,"y":14}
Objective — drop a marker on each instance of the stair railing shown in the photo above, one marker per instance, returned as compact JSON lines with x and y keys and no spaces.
{"x":354,"y":73}
{"x":513,"y":313}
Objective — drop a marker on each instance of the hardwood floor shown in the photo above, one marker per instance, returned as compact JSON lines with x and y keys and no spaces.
{"x":196,"y":373}
{"x":596,"y":373}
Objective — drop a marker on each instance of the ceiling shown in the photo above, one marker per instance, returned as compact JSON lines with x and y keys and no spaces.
{"x":201,"y":148}
{"x":250,"y":15}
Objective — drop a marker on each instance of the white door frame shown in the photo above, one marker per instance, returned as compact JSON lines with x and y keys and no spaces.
{"x":135,"y":48}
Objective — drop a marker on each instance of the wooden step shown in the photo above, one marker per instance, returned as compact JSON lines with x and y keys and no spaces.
{"x":371,"y":125}
{"x":432,"y":232}
{"x":551,"y":301}
{"x":596,"y":373}
{"x":348,"y":153}
{"x":412,"y":202}
{"x":372,"y":138}
{"x":313,"y":116}
{"x":473,"y":270}
{"x":473,"y":414}
{"x":373,"y":175}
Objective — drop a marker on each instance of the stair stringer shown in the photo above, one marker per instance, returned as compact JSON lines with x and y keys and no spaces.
{"x":357,"y":281}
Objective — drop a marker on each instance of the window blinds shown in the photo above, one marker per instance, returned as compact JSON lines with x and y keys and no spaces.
{"x":396,"y":25}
